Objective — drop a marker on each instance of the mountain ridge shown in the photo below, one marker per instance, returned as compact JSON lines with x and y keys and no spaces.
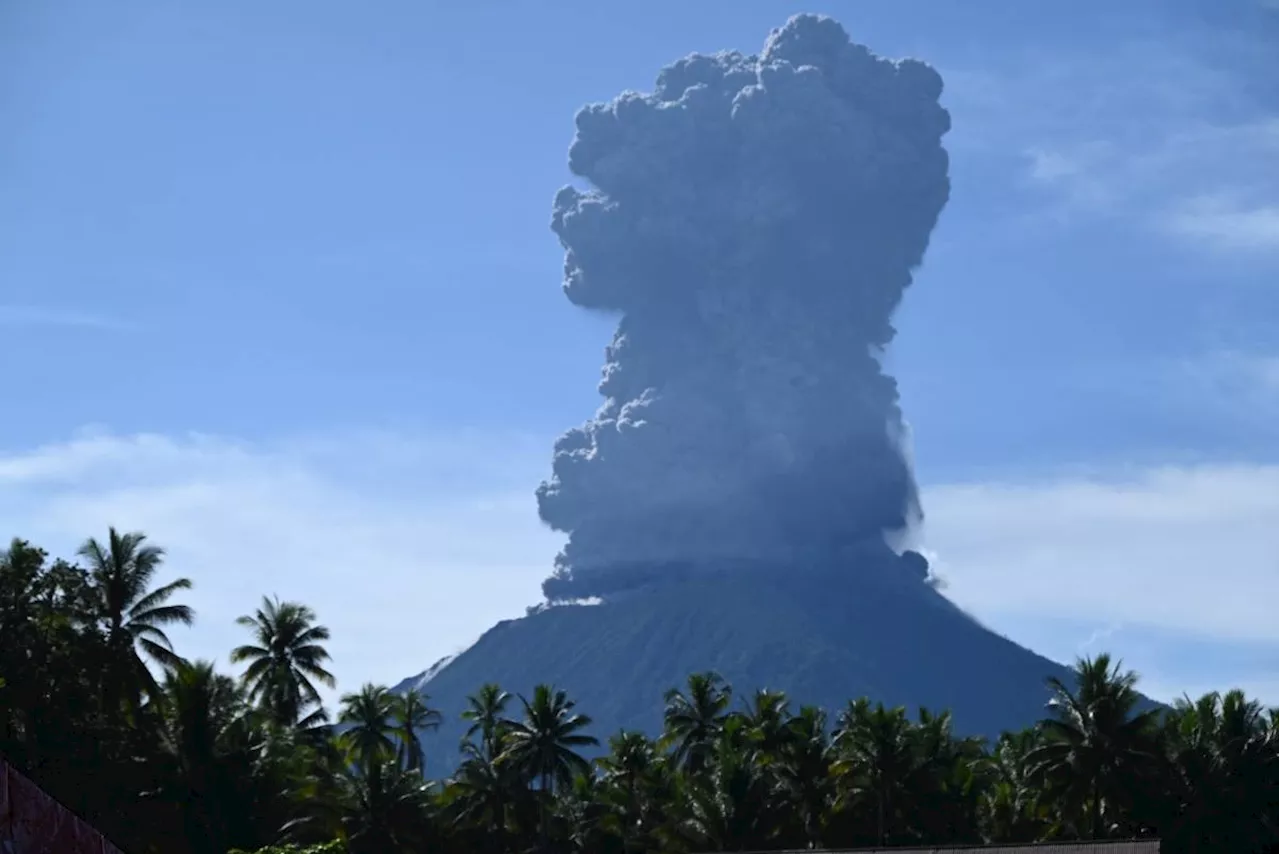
{"x":824,"y":638}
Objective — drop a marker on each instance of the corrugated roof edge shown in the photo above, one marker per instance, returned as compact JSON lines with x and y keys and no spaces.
{"x":1101,"y":846}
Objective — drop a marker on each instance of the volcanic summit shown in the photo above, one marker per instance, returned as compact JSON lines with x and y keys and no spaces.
{"x":753,"y":224}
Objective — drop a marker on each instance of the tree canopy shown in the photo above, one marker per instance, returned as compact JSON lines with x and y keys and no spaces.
{"x":171,"y":756}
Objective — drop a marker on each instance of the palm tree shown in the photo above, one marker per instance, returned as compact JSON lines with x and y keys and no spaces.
{"x":804,"y":771}
{"x":632,"y":758}
{"x":411,"y":715}
{"x":315,"y":770}
{"x":692,"y":722}
{"x":367,"y":716}
{"x":1011,"y":803}
{"x":199,"y":712}
{"x":875,"y":757}
{"x":587,"y":820}
{"x":1221,"y":762}
{"x":944,"y":782}
{"x":541,"y":745}
{"x":635,"y":783}
{"x":1094,"y":742}
{"x":133,"y":615}
{"x":480,"y":795}
{"x":728,"y":805}
{"x":384,"y":808}
{"x":543,"y":742}
{"x":285,"y":659}
{"x":768,"y":724}
{"x":485,"y":711}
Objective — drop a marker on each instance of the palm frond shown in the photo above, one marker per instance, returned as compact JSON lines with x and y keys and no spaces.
{"x":92,"y":551}
{"x":159,"y":596}
{"x":162,"y":655}
{"x":311,"y":635}
{"x":247,"y":653}
{"x":165,"y":615}
{"x":140,"y":632}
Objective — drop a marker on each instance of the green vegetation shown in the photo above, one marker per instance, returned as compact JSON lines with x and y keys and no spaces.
{"x":170,"y":756}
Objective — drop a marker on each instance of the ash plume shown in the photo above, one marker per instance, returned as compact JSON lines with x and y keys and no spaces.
{"x":753,"y":222}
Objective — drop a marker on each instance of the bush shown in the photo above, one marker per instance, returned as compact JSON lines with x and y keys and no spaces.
{"x":333,"y":847}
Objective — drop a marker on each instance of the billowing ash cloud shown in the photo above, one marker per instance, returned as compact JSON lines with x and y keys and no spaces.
{"x":754,"y":222}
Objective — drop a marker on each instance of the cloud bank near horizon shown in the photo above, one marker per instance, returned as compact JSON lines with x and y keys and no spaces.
{"x":408,"y":547}
{"x":411,"y":546}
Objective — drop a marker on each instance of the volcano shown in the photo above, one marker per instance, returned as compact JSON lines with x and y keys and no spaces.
{"x":752,"y":223}
{"x":822,"y":642}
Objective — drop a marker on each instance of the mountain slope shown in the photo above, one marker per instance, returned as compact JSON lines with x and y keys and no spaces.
{"x":820,"y":639}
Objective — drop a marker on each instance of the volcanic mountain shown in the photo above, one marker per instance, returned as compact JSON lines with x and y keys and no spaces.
{"x":899,"y":643}
{"x":752,"y":223}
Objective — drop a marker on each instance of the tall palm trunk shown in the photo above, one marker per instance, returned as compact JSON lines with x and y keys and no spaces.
{"x":544,"y":831}
{"x":1095,"y":810}
{"x":881,"y":798}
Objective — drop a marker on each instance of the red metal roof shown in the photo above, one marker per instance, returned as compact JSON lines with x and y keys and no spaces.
{"x":31,"y":822}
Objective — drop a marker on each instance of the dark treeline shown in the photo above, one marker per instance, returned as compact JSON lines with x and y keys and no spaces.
{"x":170,"y":756}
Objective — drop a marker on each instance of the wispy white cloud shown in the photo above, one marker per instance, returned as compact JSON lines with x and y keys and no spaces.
{"x":1226,"y":222}
{"x":410,"y":546}
{"x":1190,"y":549}
{"x":1151,"y":133}
{"x":1230,"y":382}
{"x":1080,"y":174}
{"x":1188,"y":182}
{"x":401,"y":553}
{"x":1173,"y":570}
{"x":21,"y":316}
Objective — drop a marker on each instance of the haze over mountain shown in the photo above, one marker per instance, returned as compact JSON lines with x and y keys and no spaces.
{"x":753,"y":223}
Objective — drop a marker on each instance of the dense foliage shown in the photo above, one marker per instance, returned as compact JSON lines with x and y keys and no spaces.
{"x":169,"y":755}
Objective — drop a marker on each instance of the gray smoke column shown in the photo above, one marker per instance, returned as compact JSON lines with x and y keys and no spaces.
{"x":753,"y":222}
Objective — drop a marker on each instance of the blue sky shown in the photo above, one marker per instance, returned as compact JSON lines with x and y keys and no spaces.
{"x":277,"y":286}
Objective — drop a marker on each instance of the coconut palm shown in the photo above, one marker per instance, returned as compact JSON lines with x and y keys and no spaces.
{"x":944,"y":783}
{"x":631,"y":759}
{"x":728,"y":805}
{"x":768,"y":724}
{"x":586,"y":820}
{"x":875,"y":757}
{"x":132,"y":614}
{"x":484,"y":713}
{"x":198,"y":706}
{"x":480,"y":796}
{"x":384,"y":808}
{"x":199,"y":713}
{"x":1011,"y":804}
{"x":410,"y":715}
{"x":635,"y":786}
{"x":804,"y":772}
{"x":541,"y":744}
{"x":283,"y":662}
{"x":366,"y":716}
{"x":1095,"y":741}
{"x":692,"y":722}
{"x":1221,"y":761}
